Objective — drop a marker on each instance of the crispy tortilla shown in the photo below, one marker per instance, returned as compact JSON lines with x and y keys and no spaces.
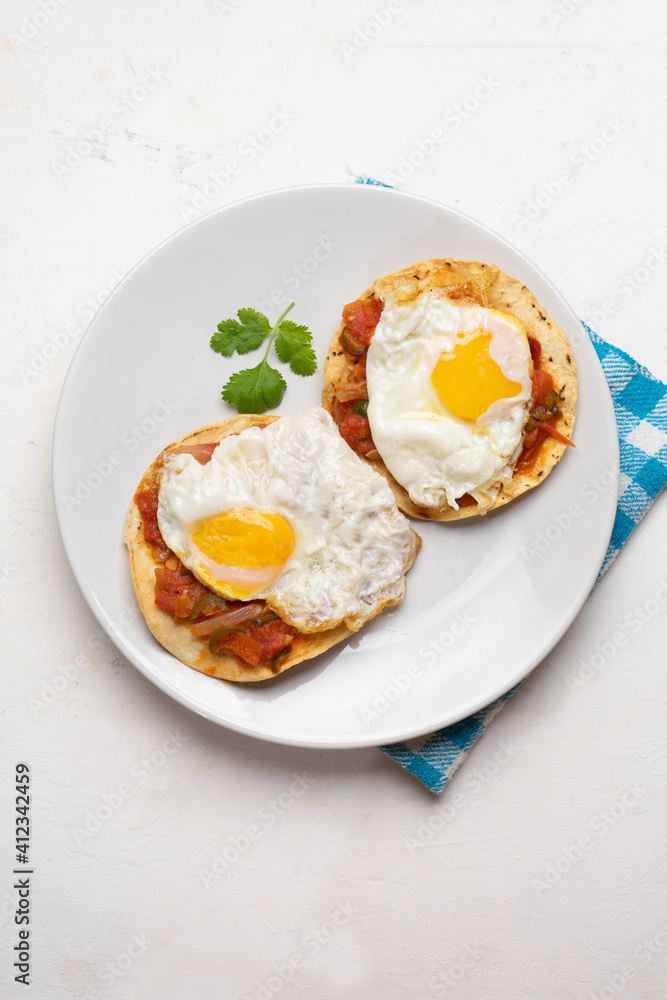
{"x":177,"y":638}
{"x":472,"y":281}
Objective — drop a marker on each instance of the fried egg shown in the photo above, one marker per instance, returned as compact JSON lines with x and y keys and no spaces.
{"x":449,"y":388}
{"x":289,"y":514}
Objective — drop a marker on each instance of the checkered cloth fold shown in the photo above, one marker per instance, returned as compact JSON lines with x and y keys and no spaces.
{"x":640,"y":404}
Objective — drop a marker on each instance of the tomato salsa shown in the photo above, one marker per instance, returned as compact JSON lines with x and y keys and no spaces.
{"x":248,"y":630}
{"x":351,"y":398}
{"x":544,"y":412}
{"x":350,"y":403}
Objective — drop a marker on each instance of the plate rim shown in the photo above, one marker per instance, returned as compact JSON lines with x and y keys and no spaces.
{"x":245,"y":727}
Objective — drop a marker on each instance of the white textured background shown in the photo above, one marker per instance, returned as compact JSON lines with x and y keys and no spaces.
{"x":374,"y":887}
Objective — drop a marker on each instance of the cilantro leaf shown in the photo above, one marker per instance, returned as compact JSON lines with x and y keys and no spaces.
{"x":254,"y":320}
{"x":293,"y":344}
{"x":243,"y":336}
{"x":255,"y":390}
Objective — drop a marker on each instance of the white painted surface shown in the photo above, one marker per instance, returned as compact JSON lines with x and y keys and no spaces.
{"x":468,"y":903}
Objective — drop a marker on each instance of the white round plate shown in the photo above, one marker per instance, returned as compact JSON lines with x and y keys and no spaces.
{"x":487,"y":597}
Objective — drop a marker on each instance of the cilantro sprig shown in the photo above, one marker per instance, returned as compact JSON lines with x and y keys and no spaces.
{"x":255,"y":390}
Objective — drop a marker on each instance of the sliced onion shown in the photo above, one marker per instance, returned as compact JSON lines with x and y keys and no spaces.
{"x":338,"y":411}
{"x":352,"y":390}
{"x":183,"y":604}
{"x":202,"y":452}
{"x":556,"y":434}
{"x":251,"y":610}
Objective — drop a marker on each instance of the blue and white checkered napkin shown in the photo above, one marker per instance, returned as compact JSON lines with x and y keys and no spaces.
{"x":640,"y":402}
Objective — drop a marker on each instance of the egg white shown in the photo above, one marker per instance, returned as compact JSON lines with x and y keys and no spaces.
{"x":434,"y":455}
{"x":353,"y":546}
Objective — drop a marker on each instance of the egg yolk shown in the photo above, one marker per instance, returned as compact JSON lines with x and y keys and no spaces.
{"x":241,"y":539}
{"x":468,"y":380}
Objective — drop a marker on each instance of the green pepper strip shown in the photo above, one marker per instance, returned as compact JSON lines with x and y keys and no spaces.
{"x":279,"y":657}
{"x":218,"y":603}
{"x":221,"y":633}
{"x":265,"y":618}
{"x":350,"y":344}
